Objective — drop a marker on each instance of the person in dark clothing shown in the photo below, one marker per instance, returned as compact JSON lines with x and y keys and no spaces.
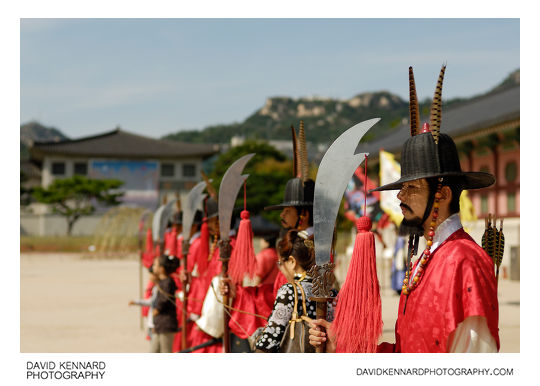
{"x":165,"y":320}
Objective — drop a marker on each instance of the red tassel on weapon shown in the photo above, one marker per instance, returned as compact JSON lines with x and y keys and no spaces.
{"x":358,"y":319}
{"x":243,"y":256}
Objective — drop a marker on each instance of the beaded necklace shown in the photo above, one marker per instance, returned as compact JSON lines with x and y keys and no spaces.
{"x":410,"y":285}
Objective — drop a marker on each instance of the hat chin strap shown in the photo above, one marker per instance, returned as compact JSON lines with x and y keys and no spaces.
{"x":429,"y":207}
{"x":298,"y":214}
{"x":414,"y":238}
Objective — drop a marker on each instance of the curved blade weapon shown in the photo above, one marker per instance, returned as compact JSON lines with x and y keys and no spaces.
{"x":335,"y":171}
{"x":193,"y":201}
{"x":228,"y":190}
{"x":159,"y":222}
{"x":156,"y":221}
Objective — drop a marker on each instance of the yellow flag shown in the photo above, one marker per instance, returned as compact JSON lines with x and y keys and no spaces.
{"x":390,"y":171}
{"x":466,"y":208}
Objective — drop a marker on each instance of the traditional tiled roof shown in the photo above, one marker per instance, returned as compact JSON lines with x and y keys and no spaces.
{"x":121,"y":144}
{"x":479,"y":113}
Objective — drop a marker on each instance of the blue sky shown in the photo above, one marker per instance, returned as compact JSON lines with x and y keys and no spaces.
{"x":159,"y":76}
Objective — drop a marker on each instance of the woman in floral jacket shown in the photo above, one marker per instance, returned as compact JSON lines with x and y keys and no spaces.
{"x":296,"y":257}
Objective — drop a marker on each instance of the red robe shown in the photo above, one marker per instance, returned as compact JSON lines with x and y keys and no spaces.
{"x":255,"y":300}
{"x":200,"y":284}
{"x":147,"y":295}
{"x":177,"y":342}
{"x":193,"y":249}
{"x":196,"y":335}
{"x":149,"y":253}
{"x":280,"y":280}
{"x":170,"y":242}
{"x":459,"y":282}
{"x":266,"y":267}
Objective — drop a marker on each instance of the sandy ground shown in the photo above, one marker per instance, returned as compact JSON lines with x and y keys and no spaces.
{"x":73,"y":304}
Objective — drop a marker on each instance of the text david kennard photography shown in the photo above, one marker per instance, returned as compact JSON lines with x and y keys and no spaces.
{"x":65,"y":370}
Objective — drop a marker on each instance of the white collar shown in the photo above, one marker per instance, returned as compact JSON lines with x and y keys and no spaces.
{"x":309,"y":231}
{"x":194,"y":237}
{"x":445,"y":230}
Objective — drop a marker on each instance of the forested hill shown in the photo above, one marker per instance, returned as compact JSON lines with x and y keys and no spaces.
{"x":35,"y":132}
{"x":324,"y":118}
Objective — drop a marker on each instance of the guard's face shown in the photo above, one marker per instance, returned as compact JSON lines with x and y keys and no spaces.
{"x":213,"y":226}
{"x":289,"y":217}
{"x":414,"y":197}
{"x":178,"y":228}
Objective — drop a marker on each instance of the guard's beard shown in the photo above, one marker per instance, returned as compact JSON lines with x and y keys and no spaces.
{"x":412,"y":227}
{"x":286,"y":226}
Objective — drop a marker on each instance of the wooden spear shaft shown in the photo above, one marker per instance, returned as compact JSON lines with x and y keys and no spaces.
{"x":321,"y":312}
{"x":323,"y":279}
{"x":224,"y":256}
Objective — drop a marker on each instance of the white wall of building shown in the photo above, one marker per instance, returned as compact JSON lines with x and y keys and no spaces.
{"x":55,"y":225}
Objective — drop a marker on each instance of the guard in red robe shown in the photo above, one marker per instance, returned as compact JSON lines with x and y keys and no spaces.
{"x":254,"y":298}
{"x":193,"y":251}
{"x":457,"y":289}
{"x":449,"y":296}
{"x":200,"y":288}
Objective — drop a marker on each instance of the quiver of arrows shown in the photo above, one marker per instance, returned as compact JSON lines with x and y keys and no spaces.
{"x":493,"y":242}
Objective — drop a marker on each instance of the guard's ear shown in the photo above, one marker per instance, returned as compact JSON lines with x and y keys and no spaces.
{"x":446,"y":194}
{"x":304,"y":212}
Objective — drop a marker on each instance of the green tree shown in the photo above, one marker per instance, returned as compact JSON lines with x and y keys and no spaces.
{"x":75,"y":197}
{"x":268,"y":172}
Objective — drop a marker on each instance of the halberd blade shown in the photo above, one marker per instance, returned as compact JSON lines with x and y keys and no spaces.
{"x":228,"y":190}
{"x":335,"y":171}
{"x":189,"y":207}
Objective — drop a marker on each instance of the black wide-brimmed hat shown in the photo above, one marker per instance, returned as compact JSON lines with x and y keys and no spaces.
{"x":198,"y":217}
{"x":431,"y":154}
{"x":212,"y":208}
{"x":176,"y":218}
{"x":422,"y":158}
{"x":297,"y":193}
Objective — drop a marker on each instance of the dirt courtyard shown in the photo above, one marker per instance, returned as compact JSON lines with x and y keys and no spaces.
{"x":73,"y":304}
